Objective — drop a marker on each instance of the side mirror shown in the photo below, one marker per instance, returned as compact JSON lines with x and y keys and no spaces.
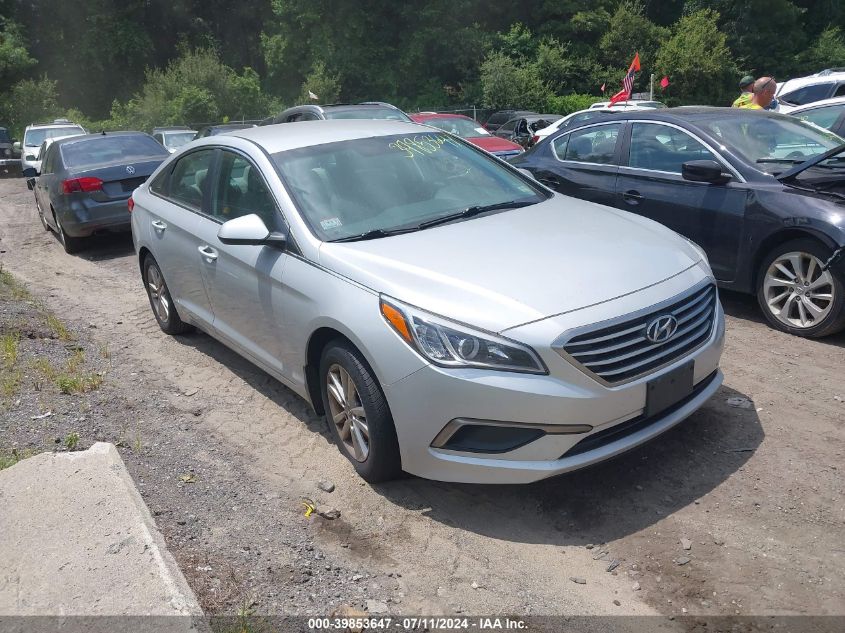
{"x":249,"y":230}
{"x":29,"y":172}
{"x":704,"y":171}
{"x":16,"y":145}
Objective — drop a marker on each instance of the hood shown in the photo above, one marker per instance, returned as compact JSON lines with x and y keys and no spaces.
{"x":791,"y":174}
{"x":505,"y":269}
{"x":494,"y":144}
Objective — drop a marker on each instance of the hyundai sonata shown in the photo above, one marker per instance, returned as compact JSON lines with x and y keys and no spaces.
{"x":452,"y":317}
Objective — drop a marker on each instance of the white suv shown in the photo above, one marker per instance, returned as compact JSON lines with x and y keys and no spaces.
{"x":37,"y":133}
{"x":803,"y":90}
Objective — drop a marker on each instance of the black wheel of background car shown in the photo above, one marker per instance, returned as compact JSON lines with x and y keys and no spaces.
{"x":357,"y":413}
{"x":796,"y":294}
{"x":160,"y":301}
{"x":41,"y":216}
{"x":71,"y":244}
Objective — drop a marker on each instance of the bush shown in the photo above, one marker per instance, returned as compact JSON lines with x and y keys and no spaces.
{"x":567,"y":104}
{"x":507,"y":83}
{"x":31,"y":100}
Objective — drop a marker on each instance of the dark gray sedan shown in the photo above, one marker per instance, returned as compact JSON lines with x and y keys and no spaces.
{"x":85,"y":183}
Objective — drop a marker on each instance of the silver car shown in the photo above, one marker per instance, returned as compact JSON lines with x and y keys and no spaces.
{"x":452,"y":317}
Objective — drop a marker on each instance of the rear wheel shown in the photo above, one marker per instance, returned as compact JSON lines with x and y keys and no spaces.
{"x":41,"y":215}
{"x":160,"y":300}
{"x":71,"y":244}
{"x":358,"y":414}
{"x":797,"y":295}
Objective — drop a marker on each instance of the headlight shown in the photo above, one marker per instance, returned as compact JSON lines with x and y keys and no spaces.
{"x":451,"y":344}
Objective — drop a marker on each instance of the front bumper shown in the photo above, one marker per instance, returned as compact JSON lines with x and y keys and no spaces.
{"x":429,"y":399}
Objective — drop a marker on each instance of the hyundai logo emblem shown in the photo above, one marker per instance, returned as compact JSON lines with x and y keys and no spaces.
{"x":130,"y":169}
{"x":661,"y":329}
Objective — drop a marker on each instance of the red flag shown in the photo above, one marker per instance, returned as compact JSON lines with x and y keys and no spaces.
{"x":635,"y":65}
{"x":622,"y":95}
{"x":602,"y":88}
{"x":628,"y":82}
{"x":664,"y":83}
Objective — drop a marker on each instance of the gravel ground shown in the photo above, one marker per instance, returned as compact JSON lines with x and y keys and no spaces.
{"x":738,"y":511}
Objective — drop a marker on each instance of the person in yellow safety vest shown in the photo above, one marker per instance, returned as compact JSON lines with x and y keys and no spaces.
{"x":745,"y":85}
{"x":764,"y":92}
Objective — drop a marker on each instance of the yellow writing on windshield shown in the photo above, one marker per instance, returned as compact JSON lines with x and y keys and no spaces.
{"x":423,"y":145}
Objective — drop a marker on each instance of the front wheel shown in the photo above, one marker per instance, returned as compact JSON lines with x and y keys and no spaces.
{"x":797,"y":295}
{"x":358,"y":414}
{"x":160,"y":300}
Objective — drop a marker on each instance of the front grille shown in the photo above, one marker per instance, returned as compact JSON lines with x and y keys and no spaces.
{"x":621,"y":352}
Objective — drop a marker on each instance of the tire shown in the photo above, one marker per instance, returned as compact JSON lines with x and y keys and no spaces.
{"x":164,"y":310}
{"x":71,"y":244}
{"x":815,"y":306}
{"x":382,"y":461}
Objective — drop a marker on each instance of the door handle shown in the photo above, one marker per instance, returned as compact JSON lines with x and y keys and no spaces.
{"x":209,"y":253}
{"x":158,"y":225}
{"x":632,"y":196}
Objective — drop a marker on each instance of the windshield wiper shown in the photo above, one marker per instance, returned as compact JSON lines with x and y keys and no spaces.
{"x":790,"y":161}
{"x":473,"y":211}
{"x":374,"y":234}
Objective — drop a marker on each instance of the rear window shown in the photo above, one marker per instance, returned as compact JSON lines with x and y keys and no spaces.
{"x":108,"y":149}
{"x":366,"y":113}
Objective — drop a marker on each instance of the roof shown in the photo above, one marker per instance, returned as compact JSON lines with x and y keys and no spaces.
{"x":65,"y":140}
{"x":823,"y":77}
{"x":230,"y":126}
{"x":62,"y":124}
{"x":280,"y":137}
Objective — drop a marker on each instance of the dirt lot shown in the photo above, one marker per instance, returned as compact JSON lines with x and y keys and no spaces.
{"x":223,"y":455}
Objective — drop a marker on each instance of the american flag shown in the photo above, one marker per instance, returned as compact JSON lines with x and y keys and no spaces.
{"x":628,"y":82}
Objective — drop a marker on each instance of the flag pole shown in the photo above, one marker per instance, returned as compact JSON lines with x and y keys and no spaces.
{"x":651,"y":97}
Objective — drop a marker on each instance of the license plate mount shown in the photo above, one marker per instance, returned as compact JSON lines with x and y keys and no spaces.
{"x":669,"y":389}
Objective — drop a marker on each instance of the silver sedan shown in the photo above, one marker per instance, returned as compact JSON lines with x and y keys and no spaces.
{"x":450,"y":316}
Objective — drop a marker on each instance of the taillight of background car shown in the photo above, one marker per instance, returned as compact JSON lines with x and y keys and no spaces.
{"x":84,"y":184}
{"x":130,"y":204}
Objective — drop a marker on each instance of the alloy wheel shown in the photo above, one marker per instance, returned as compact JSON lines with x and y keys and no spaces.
{"x":347,"y":412}
{"x":158,"y":293}
{"x":798,"y":292}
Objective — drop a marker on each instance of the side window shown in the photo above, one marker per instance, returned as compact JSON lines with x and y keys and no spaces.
{"x":592,"y":145}
{"x":189,"y":179}
{"x":241,"y":190}
{"x":823,"y":117}
{"x":559,"y":145}
{"x":159,"y":138}
{"x":840,"y":90}
{"x":663,"y":148}
{"x":161,"y":183}
{"x":808,"y":94}
{"x":509,"y":126}
{"x":47,"y":167}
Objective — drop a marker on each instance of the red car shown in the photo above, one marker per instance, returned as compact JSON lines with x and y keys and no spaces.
{"x":471,"y":130}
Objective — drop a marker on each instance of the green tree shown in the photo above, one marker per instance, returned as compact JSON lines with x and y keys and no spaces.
{"x":322,"y":83}
{"x":31,"y":100}
{"x":697,"y":59}
{"x":826,"y":52}
{"x":14,"y":58}
{"x":629,"y":32}
{"x":507,"y":83}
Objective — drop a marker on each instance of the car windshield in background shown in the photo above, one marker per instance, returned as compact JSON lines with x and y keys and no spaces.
{"x":393,"y":183}
{"x":178,"y":139}
{"x":772,"y":142}
{"x":459,"y":127}
{"x":4,"y":135}
{"x":36,"y":136}
{"x":109,"y":149}
{"x":366,"y":113}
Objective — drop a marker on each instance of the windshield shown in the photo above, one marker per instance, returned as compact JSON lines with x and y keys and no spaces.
{"x":177,"y":139}
{"x":107,"y":149}
{"x":36,"y":136}
{"x":351,"y":187}
{"x":4,"y":135}
{"x":465,"y":128}
{"x":772,"y":141}
{"x":367,"y":113}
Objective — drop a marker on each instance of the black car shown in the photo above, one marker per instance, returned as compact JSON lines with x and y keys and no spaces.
{"x":762,"y":193}
{"x":221,"y":128}
{"x":310,"y":112}
{"x":8,"y":161}
{"x":497,"y":119}
{"x":521,"y":129}
{"x":86,"y":181}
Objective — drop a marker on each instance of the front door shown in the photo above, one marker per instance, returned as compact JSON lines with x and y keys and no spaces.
{"x":244,"y":282}
{"x":650,"y":184}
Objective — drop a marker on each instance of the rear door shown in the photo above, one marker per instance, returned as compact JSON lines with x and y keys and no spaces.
{"x":179,"y":202}
{"x":244,"y":282}
{"x":650,"y":184}
{"x":583,"y":163}
{"x":829,"y":117}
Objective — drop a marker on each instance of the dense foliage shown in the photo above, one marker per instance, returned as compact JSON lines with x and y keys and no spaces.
{"x":136,"y":63}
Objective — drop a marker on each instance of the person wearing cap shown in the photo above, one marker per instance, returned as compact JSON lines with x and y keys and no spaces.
{"x":746,"y":85}
{"x":764,"y":93}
